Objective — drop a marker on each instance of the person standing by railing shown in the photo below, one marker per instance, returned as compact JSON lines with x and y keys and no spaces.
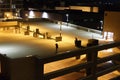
{"x":56,"y":46}
{"x":76,"y":41}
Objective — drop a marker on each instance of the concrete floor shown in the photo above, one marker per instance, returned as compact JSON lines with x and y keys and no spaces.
{"x":16,"y":45}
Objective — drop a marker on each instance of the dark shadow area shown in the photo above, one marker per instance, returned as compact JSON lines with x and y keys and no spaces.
{"x":104,"y":66}
{"x":116,"y":78}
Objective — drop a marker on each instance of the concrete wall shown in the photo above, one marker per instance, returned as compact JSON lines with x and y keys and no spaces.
{"x":8,"y":15}
{"x":8,"y":23}
{"x":83,"y":8}
{"x":0,"y":67}
{"x":51,"y":16}
{"x":23,"y":69}
{"x":112,"y":24}
{"x":4,"y":67}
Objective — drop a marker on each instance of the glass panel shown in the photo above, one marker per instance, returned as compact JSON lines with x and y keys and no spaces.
{"x":108,"y":36}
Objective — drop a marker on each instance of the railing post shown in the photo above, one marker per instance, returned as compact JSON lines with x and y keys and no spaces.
{"x":39,"y":69}
{"x":5,"y":67}
{"x":92,"y":70}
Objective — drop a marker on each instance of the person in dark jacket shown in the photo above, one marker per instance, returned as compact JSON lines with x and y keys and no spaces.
{"x":56,"y":46}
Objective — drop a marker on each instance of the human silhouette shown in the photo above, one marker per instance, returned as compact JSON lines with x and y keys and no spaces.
{"x":56,"y":46}
{"x":76,"y":40}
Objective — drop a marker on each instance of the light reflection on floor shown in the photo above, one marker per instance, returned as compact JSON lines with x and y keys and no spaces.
{"x":19,"y":45}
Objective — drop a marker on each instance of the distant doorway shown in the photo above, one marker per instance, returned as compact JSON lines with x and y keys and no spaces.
{"x":108,"y":36}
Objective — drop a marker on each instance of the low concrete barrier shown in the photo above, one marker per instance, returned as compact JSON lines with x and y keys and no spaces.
{"x":9,"y":24}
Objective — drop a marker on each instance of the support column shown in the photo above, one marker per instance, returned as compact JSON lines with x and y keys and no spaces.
{"x":92,"y":57}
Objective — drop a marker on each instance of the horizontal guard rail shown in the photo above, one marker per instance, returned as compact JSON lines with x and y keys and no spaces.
{"x":79,"y":52}
{"x":73,"y":53}
{"x":67,"y":70}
